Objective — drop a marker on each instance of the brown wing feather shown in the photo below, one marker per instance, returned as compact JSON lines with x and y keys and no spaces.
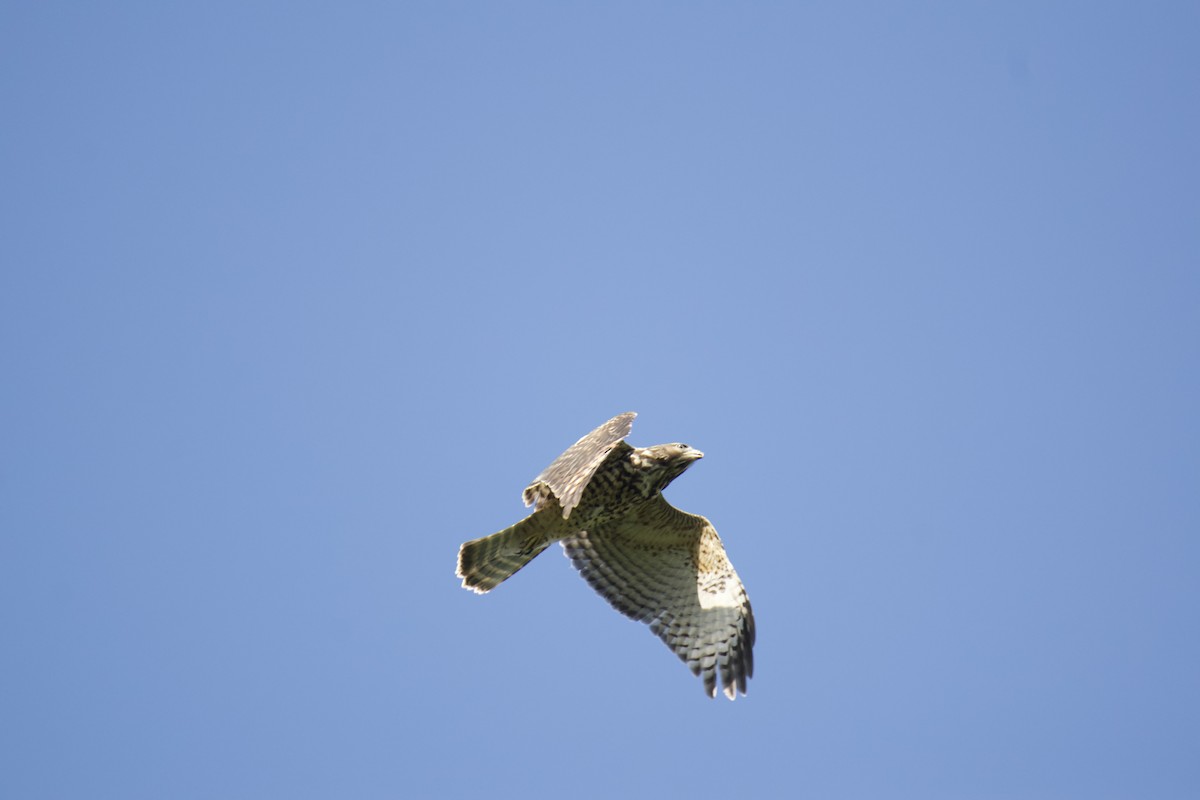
{"x":568,"y":475}
{"x":669,"y":569}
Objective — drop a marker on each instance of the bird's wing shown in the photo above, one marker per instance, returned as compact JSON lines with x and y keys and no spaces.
{"x":668,"y":568}
{"x":569,"y":474}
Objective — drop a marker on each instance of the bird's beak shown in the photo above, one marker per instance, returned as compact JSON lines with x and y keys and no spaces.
{"x":695,"y":455}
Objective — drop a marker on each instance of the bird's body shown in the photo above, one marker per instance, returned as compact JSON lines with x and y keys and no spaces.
{"x":603,"y":500}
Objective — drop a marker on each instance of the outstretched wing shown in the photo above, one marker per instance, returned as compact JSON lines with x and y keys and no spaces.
{"x":567,"y":477}
{"x":668,"y":568}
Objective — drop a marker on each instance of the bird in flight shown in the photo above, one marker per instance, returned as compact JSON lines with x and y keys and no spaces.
{"x":602,"y":499}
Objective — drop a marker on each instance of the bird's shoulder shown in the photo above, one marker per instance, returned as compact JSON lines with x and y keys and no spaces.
{"x":656,"y":518}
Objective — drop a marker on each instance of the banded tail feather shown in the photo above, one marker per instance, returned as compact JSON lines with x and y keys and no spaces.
{"x":483,"y":564}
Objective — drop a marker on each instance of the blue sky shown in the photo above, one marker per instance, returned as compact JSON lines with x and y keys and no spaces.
{"x":297,"y":297}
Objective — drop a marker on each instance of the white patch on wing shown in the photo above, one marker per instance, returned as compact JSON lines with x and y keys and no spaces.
{"x":718,"y":594}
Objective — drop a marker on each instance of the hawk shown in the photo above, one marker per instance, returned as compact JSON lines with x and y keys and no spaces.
{"x":603,"y":500}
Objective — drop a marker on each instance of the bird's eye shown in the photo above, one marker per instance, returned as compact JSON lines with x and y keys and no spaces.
{"x":684,"y":447}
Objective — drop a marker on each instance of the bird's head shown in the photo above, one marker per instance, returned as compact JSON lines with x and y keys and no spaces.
{"x":664,"y":463}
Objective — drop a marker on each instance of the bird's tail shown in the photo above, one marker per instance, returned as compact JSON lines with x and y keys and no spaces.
{"x":483,"y":564}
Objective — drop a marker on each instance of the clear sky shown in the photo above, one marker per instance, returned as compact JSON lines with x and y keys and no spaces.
{"x":296,"y":297}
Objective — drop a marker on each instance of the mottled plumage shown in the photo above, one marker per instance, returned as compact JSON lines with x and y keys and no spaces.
{"x":603,"y":500}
